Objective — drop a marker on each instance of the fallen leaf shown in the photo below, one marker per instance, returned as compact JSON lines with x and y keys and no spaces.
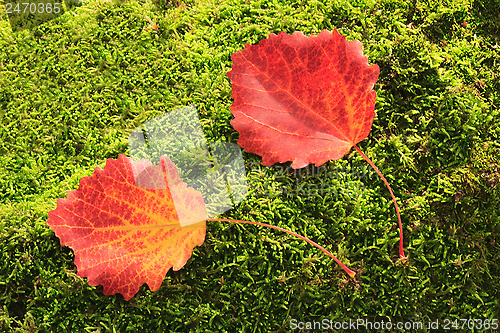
{"x":305,"y":100}
{"x":302,"y":99}
{"x":124,"y":224}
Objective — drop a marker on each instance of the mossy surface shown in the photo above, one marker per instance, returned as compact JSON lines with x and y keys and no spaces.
{"x":74,"y":88}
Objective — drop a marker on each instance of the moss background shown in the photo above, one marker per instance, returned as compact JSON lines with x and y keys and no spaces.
{"x":72,"y":89}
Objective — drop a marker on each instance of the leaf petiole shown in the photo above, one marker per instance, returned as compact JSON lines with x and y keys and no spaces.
{"x":401,"y":253}
{"x":346,"y":269}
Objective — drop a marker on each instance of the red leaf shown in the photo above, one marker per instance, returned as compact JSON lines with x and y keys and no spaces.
{"x":302,"y":99}
{"x":305,"y":100}
{"x":124,"y":224}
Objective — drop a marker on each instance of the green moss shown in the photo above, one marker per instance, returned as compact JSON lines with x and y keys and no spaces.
{"x":72,"y":90}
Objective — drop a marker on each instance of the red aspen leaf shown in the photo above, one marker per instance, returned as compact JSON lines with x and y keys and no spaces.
{"x":302,"y":99}
{"x":305,"y":100}
{"x":124,"y":224}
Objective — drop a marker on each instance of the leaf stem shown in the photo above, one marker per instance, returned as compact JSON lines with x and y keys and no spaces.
{"x":401,"y":253}
{"x":346,"y":269}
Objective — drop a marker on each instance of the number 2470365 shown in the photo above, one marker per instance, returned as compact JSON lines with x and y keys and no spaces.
{"x":34,"y":8}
